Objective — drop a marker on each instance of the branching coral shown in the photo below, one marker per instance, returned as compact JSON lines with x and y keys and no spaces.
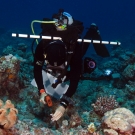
{"x":8,"y":114}
{"x":104,"y":104}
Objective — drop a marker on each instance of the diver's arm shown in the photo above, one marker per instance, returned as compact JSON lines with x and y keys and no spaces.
{"x":38,"y":63}
{"x":38,"y":75}
{"x":75,"y":72}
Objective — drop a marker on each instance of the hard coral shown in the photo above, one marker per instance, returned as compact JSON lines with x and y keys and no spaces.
{"x":75,"y":120}
{"x":104,"y":104}
{"x":129,"y":72}
{"x":110,"y":132}
{"x":91,"y":128}
{"x":130,"y":87}
{"x":8,"y":114}
{"x":120,"y":120}
{"x":9,"y":75}
{"x":83,"y":132}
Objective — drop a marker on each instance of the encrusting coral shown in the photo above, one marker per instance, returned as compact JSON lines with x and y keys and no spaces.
{"x":8,"y":114}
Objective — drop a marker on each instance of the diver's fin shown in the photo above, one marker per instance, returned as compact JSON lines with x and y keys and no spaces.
{"x":101,"y":50}
{"x":93,"y":33}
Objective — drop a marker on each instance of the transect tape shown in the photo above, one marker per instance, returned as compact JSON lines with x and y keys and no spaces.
{"x":56,"y":38}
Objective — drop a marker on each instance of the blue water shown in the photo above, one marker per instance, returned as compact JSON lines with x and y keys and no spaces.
{"x":115,"y":19}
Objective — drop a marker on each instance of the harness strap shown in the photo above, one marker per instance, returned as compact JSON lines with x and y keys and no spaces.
{"x":59,"y":78}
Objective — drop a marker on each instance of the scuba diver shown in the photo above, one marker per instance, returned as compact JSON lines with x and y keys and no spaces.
{"x":63,"y":57}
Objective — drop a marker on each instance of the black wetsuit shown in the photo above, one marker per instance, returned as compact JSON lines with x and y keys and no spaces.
{"x":69,"y":37}
{"x":75,"y":69}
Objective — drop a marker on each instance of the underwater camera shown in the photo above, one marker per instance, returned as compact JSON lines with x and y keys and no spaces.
{"x":89,"y":65}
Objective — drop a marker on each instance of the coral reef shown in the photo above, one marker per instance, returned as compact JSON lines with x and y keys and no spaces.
{"x":65,"y":126}
{"x":19,"y":49}
{"x":110,"y":132}
{"x":9,"y":74}
{"x":21,"y":128}
{"x":75,"y":120}
{"x":104,"y":104}
{"x":121,"y":120}
{"x":129,"y":72}
{"x":8,"y":114}
{"x":22,"y":46}
{"x":91,"y":128}
{"x":34,"y":119}
{"x":130,"y":87}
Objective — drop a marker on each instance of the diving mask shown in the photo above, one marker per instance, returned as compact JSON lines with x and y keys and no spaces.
{"x":60,"y":25}
{"x":62,"y":20}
